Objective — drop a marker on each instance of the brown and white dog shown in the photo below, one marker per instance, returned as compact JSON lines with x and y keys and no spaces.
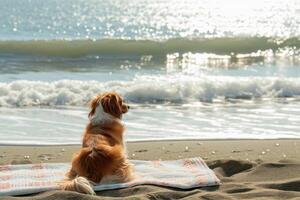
{"x":102,"y":157}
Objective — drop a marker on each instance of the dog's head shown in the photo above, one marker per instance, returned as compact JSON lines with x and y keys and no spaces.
{"x":107,"y":106}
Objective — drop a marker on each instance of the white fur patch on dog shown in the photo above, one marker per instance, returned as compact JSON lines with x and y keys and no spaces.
{"x":101,"y":117}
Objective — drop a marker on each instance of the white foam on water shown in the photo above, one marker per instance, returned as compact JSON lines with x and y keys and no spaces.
{"x":148,"y":89}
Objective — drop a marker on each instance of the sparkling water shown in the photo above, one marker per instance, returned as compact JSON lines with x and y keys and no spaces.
{"x":206,"y":69}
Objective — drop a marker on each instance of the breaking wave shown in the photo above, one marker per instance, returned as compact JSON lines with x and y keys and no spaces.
{"x":80,"y":48}
{"x":147,"y":89}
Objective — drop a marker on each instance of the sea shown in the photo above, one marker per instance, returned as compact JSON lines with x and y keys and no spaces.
{"x":189,"y":69}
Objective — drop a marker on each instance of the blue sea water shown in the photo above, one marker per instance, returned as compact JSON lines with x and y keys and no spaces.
{"x":207,"y":69}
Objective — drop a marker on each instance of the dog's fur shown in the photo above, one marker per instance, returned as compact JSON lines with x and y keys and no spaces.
{"x":103,"y":153}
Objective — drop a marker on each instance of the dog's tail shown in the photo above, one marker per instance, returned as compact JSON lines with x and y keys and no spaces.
{"x":95,"y":163}
{"x":79,"y":184}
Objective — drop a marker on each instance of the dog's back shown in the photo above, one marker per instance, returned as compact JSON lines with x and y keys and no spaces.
{"x":98,"y":160}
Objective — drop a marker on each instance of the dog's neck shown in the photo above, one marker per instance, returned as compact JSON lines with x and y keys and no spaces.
{"x":102,"y":117}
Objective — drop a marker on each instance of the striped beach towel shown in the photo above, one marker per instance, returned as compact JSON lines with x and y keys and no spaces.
{"x":34,"y":178}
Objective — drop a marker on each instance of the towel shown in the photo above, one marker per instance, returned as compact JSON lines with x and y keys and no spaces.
{"x":34,"y":178}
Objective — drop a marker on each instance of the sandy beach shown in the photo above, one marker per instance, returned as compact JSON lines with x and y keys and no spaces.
{"x":248,"y":169}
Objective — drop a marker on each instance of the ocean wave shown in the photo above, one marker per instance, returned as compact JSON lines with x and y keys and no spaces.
{"x":81,"y":48}
{"x":147,"y":89}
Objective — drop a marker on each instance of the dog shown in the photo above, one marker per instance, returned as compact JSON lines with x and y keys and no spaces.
{"x":102,"y":157}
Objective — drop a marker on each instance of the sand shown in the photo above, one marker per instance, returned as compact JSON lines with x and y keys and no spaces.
{"x":248,"y":169}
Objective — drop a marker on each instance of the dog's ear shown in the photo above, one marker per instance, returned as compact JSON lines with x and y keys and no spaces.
{"x":93,"y":105}
{"x":112,"y":104}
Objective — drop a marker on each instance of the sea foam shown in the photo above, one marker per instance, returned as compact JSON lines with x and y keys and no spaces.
{"x":147,"y":89}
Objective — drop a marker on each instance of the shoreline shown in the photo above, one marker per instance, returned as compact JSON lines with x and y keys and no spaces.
{"x":243,"y":149}
{"x":155,"y":140}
